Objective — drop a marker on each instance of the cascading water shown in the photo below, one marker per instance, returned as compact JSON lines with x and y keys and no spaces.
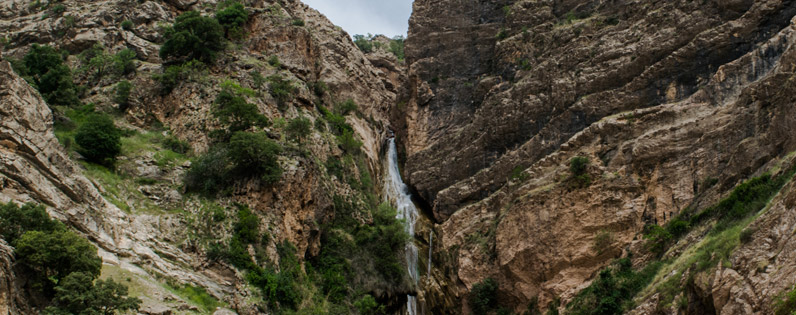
{"x":396,"y":192}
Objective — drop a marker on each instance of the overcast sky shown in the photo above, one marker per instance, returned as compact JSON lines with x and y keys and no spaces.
{"x":388,"y":17}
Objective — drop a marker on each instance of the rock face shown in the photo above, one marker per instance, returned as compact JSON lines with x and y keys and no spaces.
{"x":660,"y":96}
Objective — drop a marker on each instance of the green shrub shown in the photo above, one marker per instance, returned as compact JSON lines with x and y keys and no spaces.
{"x":297,"y":22}
{"x":99,"y":139}
{"x":281,"y":89}
{"x":127,"y":25}
{"x":502,"y":34}
{"x":16,"y":220}
{"x":78,"y":294}
{"x":397,"y":47}
{"x":518,"y":173}
{"x":348,"y":143}
{"x":123,"y":61}
{"x":613,"y":289}
{"x":177,"y":145}
{"x":364,"y":43}
{"x":578,"y":165}
{"x":253,"y":154}
{"x":346,"y":107}
{"x":247,"y":229}
{"x":319,"y":88}
{"x":172,"y":76}
{"x":238,"y":115}
{"x":367,"y":305}
{"x":258,"y":79}
{"x":299,"y":128}
{"x":232,"y":16}
{"x":274,"y":61}
{"x":602,"y":241}
{"x":785,"y":303}
{"x":51,"y":256}
{"x":122,"y":94}
{"x":193,"y":36}
{"x":209,"y":173}
{"x":45,"y":69}
{"x":58,"y":9}
{"x":483,"y":296}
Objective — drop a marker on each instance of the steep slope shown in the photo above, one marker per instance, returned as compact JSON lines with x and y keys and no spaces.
{"x":138,"y":215}
{"x":664,"y":98}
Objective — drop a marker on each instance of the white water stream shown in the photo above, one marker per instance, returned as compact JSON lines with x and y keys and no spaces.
{"x":396,"y":192}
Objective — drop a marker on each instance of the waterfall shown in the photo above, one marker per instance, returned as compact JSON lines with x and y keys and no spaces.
{"x":396,"y":192}
{"x":430,"y":246}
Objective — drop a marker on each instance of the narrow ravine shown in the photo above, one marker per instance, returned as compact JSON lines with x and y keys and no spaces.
{"x":396,"y":192}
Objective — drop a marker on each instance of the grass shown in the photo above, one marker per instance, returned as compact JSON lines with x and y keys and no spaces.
{"x":197,"y":296}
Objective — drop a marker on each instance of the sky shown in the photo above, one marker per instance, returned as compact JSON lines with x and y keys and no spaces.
{"x":387,"y":17}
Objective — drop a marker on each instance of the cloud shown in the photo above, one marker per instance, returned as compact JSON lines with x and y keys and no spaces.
{"x":388,"y":17}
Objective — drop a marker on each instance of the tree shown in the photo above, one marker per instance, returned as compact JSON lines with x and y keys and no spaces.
{"x":233,"y":110}
{"x":299,"y":128}
{"x":232,"y":17}
{"x":348,"y":142}
{"x":255,"y":154}
{"x":123,"y":61}
{"x":99,"y":139}
{"x":51,"y":256}
{"x":15,"y":220}
{"x":193,"y":36}
{"x":45,"y":69}
{"x":364,"y":43}
{"x":281,"y":89}
{"x":122,"y":95}
{"x":483,"y":296}
{"x":77,"y":294}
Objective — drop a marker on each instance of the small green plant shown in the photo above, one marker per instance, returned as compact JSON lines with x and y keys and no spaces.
{"x":319,"y":88}
{"x":127,"y":25}
{"x":99,"y":139}
{"x":785,"y":303}
{"x":281,"y":90}
{"x":578,"y":166}
{"x":602,"y":241}
{"x":347,"y":107}
{"x":274,"y":61}
{"x":258,"y":79}
{"x":518,"y":173}
{"x":122,"y":94}
{"x":297,"y":22}
{"x":177,"y":145}
{"x":58,"y":9}
{"x":174,"y":75}
{"x":502,"y":34}
{"x":367,"y":305}
{"x":348,"y":142}
{"x":483,"y":296}
{"x":123,"y":61}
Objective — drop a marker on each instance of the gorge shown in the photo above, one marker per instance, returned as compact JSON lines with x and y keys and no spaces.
{"x":507,"y":157}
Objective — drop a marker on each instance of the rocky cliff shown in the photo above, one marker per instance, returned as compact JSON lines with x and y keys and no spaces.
{"x":664,"y":98}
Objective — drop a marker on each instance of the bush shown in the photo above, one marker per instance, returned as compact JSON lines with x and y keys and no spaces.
{"x":348,"y":143}
{"x":347,"y":107}
{"x":253,"y":154}
{"x":297,"y":22}
{"x":785,"y":303}
{"x":78,"y":294}
{"x":602,"y":241}
{"x":172,"y":76}
{"x":127,"y":25}
{"x":123,"y":61}
{"x":193,"y":36}
{"x":281,"y":89}
{"x":397,"y":47}
{"x":177,"y":145}
{"x":578,"y":165}
{"x":209,"y":174}
{"x":99,"y":139}
{"x":483,"y":296}
{"x":122,"y":94}
{"x":319,"y":88}
{"x":274,"y":61}
{"x":614,"y":286}
{"x":15,"y":221}
{"x":364,"y":43}
{"x":299,"y":128}
{"x":51,"y":256}
{"x":232,"y":16}
{"x":58,"y":9}
{"x":247,"y":229}
{"x":44,"y":68}
{"x":367,"y":305}
{"x":258,"y":79}
{"x":237,"y":114}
